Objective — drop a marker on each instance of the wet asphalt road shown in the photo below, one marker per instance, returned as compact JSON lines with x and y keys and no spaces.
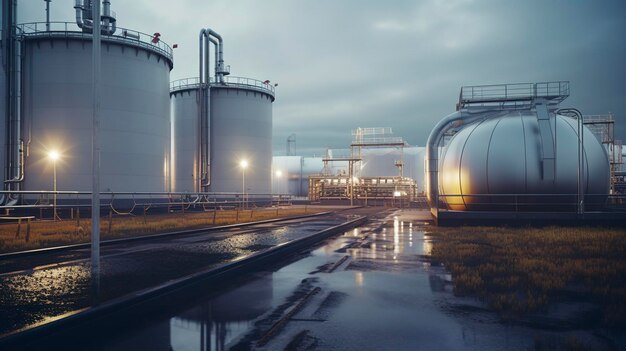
{"x":372,"y":288}
{"x":43,"y":287}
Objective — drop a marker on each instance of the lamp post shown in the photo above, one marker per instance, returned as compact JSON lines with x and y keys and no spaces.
{"x":54,"y":156}
{"x":243,"y":164}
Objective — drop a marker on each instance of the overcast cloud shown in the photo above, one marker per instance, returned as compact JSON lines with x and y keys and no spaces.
{"x":400,"y":64}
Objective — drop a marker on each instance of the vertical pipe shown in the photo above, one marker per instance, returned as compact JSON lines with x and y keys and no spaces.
{"x":580,"y":175}
{"x":204,"y":116}
{"x":15,"y":164}
{"x":579,"y":180}
{"x":581,"y":161}
{"x":95,"y":149}
{"x":54,"y":186}
{"x":200,"y":101}
{"x":47,"y":15}
{"x":19,"y":174}
{"x":215,"y":56}
{"x":243,"y":187}
{"x":220,"y":69}
{"x":107,"y":20}
{"x":206,"y":101}
{"x":208,"y":123}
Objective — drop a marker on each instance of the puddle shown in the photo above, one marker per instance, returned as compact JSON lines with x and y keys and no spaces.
{"x":387,"y":295}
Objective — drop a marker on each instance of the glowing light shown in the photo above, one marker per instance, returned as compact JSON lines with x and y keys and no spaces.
{"x":54,"y":155}
{"x":359,"y":279}
{"x":397,"y":194}
{"x":279,"y":173}
{"x":243,"y":164}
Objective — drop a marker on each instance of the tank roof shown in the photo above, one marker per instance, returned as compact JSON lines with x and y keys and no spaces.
{"x":229,"y":82}
{"x":38,"y":30}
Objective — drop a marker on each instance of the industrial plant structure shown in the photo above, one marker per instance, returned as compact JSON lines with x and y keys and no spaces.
{"x":366,"y":178}
{"x":45,"y":81}
{"x":509,"y":148}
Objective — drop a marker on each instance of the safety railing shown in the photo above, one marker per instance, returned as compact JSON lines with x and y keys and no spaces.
{"x":70,"y":29}
{"x":127,"y":202}
{"x":481,"y":94}
{"x":194,"y":82}
{"x":249,"y":82}
{"x":184,"y":83}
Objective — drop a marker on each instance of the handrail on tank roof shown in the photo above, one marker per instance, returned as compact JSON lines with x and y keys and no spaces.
{"x":70,"y":29}
{"x":554,"y":92}
{"x":194,"y":82}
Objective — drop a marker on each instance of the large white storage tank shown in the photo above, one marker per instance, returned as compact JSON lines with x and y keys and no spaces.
{"x":135,"y":111}
{"x":513,"y":151}
{"x":240,"y":129}
{"x":502,"y":156}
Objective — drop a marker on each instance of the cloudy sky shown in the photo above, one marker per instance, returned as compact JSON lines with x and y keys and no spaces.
{"x":343,"y":64}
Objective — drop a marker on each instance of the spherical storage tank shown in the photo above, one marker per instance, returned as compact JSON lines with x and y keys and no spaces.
{"x":134,"y":114}
{"x":240,"y":129}
{"x":502,"y":155}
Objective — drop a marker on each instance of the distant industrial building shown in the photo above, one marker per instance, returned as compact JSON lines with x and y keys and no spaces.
{"x":378,"y":166}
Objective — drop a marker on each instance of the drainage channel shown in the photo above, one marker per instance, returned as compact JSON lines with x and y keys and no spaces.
{"x":48,"y":300}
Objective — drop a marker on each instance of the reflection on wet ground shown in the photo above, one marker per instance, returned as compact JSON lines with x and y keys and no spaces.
{"x":61,"y":283}
{"x":373,"y":288}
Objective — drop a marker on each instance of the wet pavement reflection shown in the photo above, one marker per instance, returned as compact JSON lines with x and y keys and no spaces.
{"x":62,"y":283}
{"x":372,"y":288}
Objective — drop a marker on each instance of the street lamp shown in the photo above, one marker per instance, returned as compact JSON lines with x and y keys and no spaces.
{"x":243,"y":164}
{"x":53,"y":155}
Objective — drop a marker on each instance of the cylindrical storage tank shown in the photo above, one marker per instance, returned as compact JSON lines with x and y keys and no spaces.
{"x":185,"y":136}
{"x":134,"y":112}
{"x":496,"y":164}
{"x":241,"y":129}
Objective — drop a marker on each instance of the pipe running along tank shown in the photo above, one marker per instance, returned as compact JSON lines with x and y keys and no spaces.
{"x":218,"y":123}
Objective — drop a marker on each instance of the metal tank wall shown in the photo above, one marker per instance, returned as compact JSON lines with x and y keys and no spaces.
{"x":241,"y":128}
{"x":184,"y":114}
{"x":135,"y":114}
{"x":502,"y":155}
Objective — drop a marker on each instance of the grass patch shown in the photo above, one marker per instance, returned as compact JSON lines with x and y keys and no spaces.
{"x":522,"y":270}
{"x":73,"y":231}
